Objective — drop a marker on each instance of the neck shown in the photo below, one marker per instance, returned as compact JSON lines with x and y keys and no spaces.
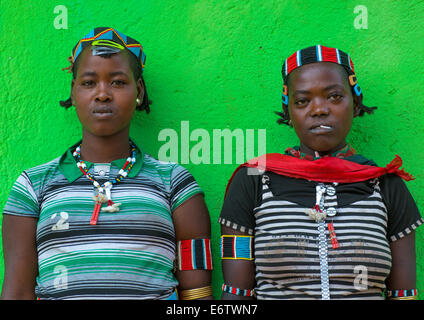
{"x":99,"y":149}
{"x":306,"y":150}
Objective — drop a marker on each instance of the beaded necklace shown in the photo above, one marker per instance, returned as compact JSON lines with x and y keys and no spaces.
{"x":347,"y":151}
{"x":104,"y":191}
{"x":318,"y":213}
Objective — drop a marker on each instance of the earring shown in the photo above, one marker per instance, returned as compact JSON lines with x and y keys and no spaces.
{"x":138,"y":102}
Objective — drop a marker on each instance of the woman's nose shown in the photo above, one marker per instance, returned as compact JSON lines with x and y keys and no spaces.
{"x":319,"y":107}
{"x":103,"y":93}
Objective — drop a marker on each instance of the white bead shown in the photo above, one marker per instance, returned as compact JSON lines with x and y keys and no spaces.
{"x":121,"y":172}
{"x":100,"y":190}
{"x":124,"y":174}
{"x":96,"y":184}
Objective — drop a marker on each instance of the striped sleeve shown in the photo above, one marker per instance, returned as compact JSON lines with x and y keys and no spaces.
{"x":242,"y":197}
{"x":183,"y":186}
{"x":22,"y":200}
{"x":403,"y":213}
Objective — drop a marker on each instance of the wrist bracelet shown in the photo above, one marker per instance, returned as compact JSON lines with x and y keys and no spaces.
{"x":411,"y":294}
{"x":405,"y":298}
{"x":198,"y":293}
{"x":238,"y":291}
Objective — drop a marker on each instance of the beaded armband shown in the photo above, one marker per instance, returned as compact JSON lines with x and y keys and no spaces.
{"x":238,"y":291}
{"x":237,"y":247}
{"x":194,"y":254}
{"x":411,"y":294}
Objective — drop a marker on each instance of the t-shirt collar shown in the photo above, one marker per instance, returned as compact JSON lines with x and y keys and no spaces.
{"x":68,"y":165}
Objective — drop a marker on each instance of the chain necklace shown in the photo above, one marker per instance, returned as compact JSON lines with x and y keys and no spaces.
{"x":104,"y":191}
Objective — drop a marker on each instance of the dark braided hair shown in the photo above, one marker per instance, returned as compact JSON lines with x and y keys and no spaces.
{"x":137,"y":72}
{"x":285,"y":116}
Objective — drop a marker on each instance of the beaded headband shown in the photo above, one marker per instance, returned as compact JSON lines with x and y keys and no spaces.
{"x":111,"y":39}
{"x":315,"y":54}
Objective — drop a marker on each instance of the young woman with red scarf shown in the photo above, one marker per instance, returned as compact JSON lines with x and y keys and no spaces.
{"x":320,"y":221}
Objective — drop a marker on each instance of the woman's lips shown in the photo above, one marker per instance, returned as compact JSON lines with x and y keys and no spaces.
{"x":321,"y":129}
{"x":102,"y":112}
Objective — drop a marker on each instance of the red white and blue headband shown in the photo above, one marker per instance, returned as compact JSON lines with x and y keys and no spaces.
{"x":316,"y":54}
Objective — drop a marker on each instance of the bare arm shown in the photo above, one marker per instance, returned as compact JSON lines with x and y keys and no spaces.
{"x":192,"y":221}
{"x":237,"y":273}
{"x":20,"y":257}
{"x":403,"y":273}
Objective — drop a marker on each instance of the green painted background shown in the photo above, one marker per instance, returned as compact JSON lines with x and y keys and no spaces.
{"x":216,"y":64}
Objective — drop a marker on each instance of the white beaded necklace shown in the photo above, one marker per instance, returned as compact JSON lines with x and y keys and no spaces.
{"x":104,"y":191}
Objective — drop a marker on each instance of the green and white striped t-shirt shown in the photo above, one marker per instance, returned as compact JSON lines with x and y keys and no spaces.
{"x":129,"y":254}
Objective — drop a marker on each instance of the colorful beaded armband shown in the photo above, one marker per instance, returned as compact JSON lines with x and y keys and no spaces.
{"x":237,"y":247}
{"x":410,"y":294}
{"x":194,"y":254}
{"x":238,"y":291}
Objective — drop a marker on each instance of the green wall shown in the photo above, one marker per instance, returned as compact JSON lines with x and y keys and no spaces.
{"x":217,"y":65}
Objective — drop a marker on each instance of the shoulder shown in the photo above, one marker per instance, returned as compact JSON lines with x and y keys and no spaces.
{"x":38,"y":174}
{"x":393,"y":187}
{"x":45,"y":167}
{"x":173,"y":175}
{"x":26,"y":193}
{"x":162,"y":168}
{"x":245,"y":185}
{"x":247,"y":175}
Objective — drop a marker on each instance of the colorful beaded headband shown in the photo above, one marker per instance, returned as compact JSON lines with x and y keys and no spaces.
{"x":109,"y":37}
{"x":315,"y":54}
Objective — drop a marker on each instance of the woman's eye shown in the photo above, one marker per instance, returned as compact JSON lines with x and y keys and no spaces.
{"x":87,"y":83}
{"x":335,"y":97}
{"x":118,"y":83}
{"x":300,"y":102}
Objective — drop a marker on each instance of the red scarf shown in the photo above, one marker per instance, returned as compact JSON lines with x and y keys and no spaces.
{"x":327,"y":169}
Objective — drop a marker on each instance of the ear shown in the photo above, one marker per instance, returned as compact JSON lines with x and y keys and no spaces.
{"x":140,"y":89}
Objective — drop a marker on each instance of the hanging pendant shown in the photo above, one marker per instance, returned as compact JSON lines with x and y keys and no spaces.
{"x":104,"y":191}
{"x":111,"y":206}
{"x":99,"y":199}
{"x":316,"y":214}
{"x":95,"y":214}
{"x":333,"y":238}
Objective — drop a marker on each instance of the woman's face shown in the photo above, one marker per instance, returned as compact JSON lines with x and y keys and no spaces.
{"x":321,"y":106}
{"x":104,"y":93}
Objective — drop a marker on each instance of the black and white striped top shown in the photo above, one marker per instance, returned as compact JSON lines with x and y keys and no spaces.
{"x":294,"y":256}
